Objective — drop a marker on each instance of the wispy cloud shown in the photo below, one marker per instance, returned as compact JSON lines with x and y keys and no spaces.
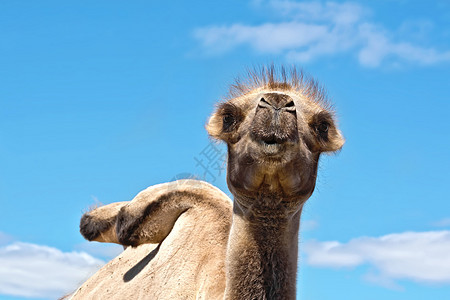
{"x":337,"y":13}
{"x":417,"y":256}
{"x":30,"y":270}
{"x":309,"y":225}
{"x":442,"y":223}
{"x":266,"y":38}
{"x":5,"y":238}
{"x":310,"y":30}
{"x":105,"y":251}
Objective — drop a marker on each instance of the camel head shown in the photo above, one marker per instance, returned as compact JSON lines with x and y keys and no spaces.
{"x":275,"y":125}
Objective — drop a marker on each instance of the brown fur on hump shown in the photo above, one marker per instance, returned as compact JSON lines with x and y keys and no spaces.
{"x":280,"y":78}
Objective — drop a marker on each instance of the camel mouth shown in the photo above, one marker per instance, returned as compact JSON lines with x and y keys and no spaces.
{"x":271,"y":147}
{"x":275,"y":139}
{"x":270,"y":141}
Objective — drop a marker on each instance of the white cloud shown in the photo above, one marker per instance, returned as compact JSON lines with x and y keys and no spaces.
{"x":309,"y":225}
{"x":315,"y":29}
{"x":383,"y":281}
{"x":339,"y":13}
{"x":31,"y":270}
{"x":417,"y":256}
{"x":378,"y":47}
{"x":442,"y":223}
{"x":266,"y":38}
{"x":103,"y":250}
{"x":5,"y":238}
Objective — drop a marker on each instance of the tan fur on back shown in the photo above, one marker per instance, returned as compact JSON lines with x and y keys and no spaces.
{"x":188,"y":264}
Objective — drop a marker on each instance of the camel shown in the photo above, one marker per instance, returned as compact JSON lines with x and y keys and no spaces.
{"x":187,"y":240}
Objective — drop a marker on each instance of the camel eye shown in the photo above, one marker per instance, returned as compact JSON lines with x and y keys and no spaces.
{"x":228,"y":118}
{"x":228,"y":121}
{"x":323,"y":127}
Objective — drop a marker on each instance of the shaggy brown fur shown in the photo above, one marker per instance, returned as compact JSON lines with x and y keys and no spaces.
{"x":188,"y":240}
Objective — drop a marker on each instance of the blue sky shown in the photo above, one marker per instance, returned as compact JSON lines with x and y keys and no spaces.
{"x":100,"y":100}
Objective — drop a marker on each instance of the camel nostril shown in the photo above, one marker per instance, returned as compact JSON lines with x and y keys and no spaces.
{"x":264,"y":104}
{"x":277,"y":102}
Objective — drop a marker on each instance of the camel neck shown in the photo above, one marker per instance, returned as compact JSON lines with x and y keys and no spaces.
{"x":262,"y":255}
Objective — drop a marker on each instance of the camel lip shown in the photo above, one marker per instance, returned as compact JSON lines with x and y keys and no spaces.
{"x":271,"y":148}
{"x":270,"y":143}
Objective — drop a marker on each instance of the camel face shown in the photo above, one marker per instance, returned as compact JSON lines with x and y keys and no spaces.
{"x":275,"y":134}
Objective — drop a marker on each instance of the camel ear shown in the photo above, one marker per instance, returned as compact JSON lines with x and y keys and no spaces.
{"x":214,"y":126}
{"x":335,"y":141}
{"x":327,"y":138}
{"x":224,"y":122}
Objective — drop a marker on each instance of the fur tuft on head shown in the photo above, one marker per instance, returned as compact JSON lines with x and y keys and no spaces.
{"x":279,"y":78}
